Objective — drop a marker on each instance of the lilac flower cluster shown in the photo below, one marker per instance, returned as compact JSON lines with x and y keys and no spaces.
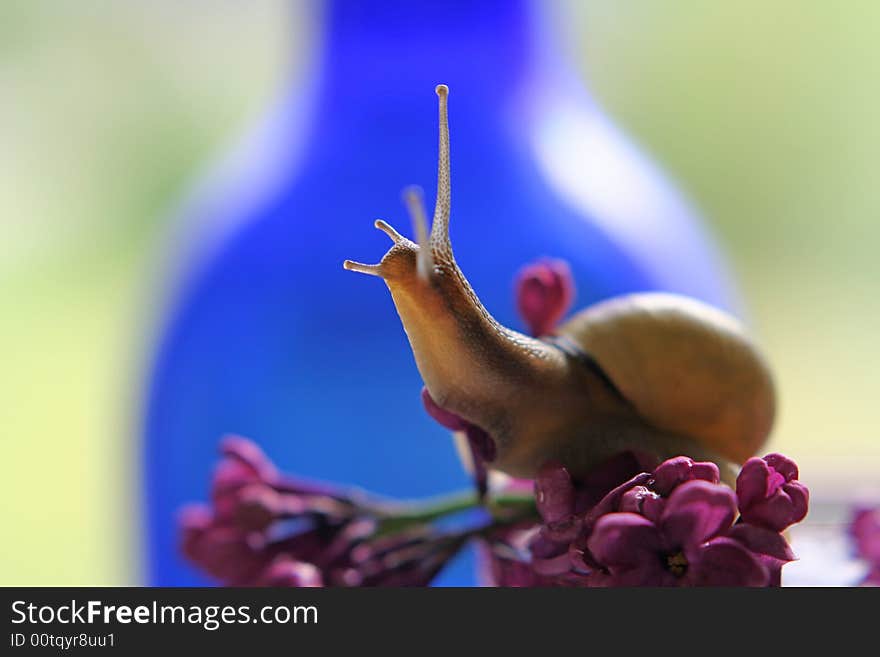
{"x":865,"y":533}
{"x":677,"y":526}
{"x":267,"y":529}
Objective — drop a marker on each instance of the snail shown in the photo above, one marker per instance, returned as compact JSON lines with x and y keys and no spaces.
{"x":650,"y":373}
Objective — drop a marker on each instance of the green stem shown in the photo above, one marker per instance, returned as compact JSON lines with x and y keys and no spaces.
{"x":397,"y":516}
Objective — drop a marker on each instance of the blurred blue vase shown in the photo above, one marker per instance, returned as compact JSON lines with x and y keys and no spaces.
{"x":265,"y":335}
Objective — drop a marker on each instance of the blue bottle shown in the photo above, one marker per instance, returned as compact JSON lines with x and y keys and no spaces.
{"x":265,"y":335}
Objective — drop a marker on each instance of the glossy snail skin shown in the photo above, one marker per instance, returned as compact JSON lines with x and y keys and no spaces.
{"x":655,"y":374}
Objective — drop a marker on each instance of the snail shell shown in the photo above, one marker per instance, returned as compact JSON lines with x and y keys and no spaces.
{"x":685,"y":366}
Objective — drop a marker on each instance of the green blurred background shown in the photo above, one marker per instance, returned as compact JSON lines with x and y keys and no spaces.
{"x":766,"y":114}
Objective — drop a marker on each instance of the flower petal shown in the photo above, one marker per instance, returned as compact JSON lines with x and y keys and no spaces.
{"x":554,"y":493}
{"x":248,"y":453}
{"x":705,"y":470}
{"x":725,"y":562}
{"x":762,"y":541}
{"x":751,"y":483}
{"x":865,"y":532}
{"x":611,"y":502}
{"x":799,"y":495}
{"x":785,"y":507}
{"x":675,"y":471}
{"x":443,"y":417}
{"x":542,"y":547}
{"x":783,"y":465}
{"x":624,"y":540}
{"x":558,"y":565}
{"x":643,"y":501}
{"x":695,"y":512}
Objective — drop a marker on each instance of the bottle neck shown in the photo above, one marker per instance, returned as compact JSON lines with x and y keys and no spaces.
{"x":484,"y":50}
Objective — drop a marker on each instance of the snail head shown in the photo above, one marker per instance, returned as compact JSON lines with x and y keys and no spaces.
{"x":406,"y":260}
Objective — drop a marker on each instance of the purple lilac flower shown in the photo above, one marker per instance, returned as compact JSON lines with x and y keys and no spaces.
{"x":769,"y":494}
{"x":505,"y":560}
{"x":267,"y":529}
{"x":865,"y":530}
{"x":669,"y":474}
{"x":544,"y":292}
{"x":684,"y":546}
{"x":672,"y":527}
{"x":865,"y":533}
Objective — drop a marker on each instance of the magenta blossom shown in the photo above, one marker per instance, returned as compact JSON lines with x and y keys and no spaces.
{"x":769,"y":494}
{"x":685,"y":546}
{"x":680,"y":469}
{"x":865,"y":533}
{"x":675,"y":526}
{"x":262,"y":528}
{"x":569,"y":511}
{"x":268,"y":529}
{"x":505,"y":561}
{"x":865,"y":530}
{"x":544,"y":293}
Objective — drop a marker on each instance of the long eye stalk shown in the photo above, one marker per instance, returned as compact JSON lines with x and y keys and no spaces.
{"x":431,"y":245}
{"x":440,"y":227}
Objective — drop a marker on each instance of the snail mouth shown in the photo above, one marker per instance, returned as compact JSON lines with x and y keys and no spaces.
{"x":481,"y":441}
{"x":476,"y":447}
{"x":482,"y":444}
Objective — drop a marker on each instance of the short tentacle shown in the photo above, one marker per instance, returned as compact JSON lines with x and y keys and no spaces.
{"x":386,"y":228}
{"x":372,"y":270}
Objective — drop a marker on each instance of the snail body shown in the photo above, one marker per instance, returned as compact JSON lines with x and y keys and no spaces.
{"x":653,"y":373}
